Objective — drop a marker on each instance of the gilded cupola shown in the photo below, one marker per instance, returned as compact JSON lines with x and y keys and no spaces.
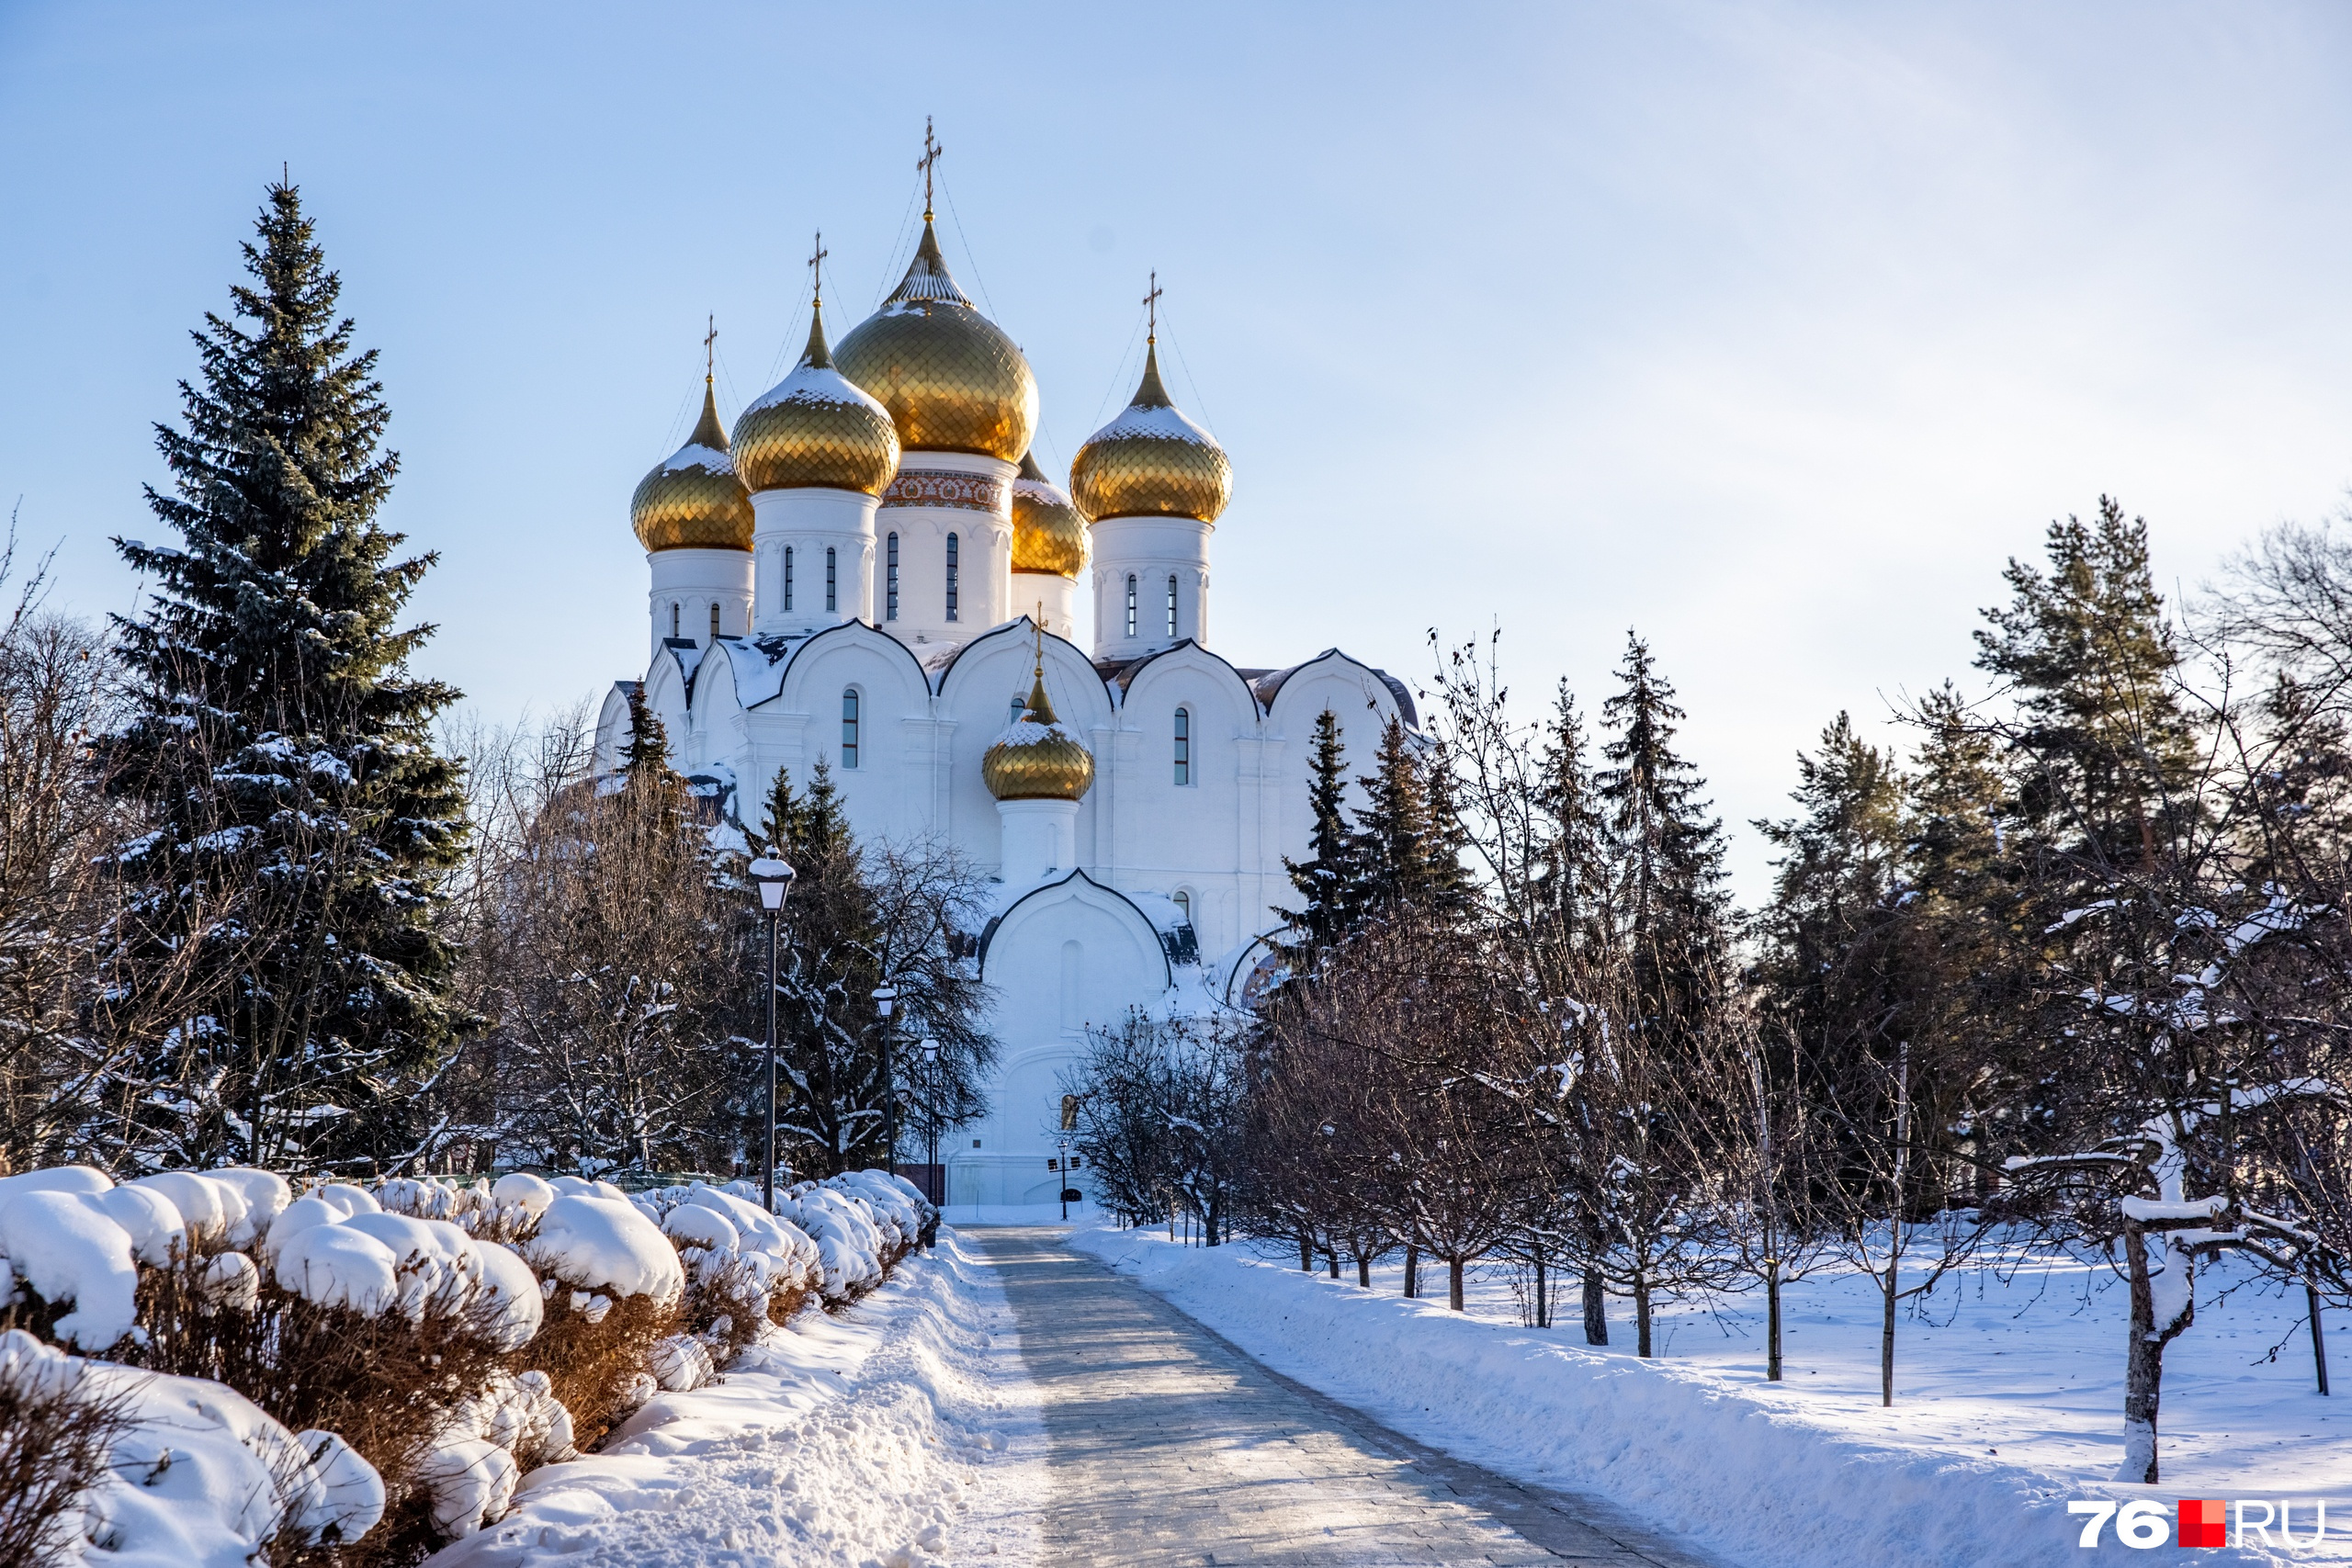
{"x":1038,"y":757}
{"x":692,"y":500}
{"x":1048,"y":534}
{"x":816,"y":429}
{"x":1152,"y":461}
{"x":951,"y":379}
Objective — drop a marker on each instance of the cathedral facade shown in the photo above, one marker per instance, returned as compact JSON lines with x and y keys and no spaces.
{"x":870,"y":570}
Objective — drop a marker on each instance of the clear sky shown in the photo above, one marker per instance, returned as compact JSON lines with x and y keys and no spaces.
{"x":1769,"y":330}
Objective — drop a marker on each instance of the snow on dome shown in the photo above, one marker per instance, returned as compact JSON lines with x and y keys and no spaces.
{"x":816,"y":429}
{"x":522,"y":1189}
{"x":692,"y":499}
{"x":332,"y":1264}
{"x":67,"y":1247}
{"x":606,"y":1243}
{"x":1152,"y":461}
{"x":156,"y":1229}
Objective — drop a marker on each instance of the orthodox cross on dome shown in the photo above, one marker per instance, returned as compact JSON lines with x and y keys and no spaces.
{"x":817,"y":271}
{"x":1151,"y":303}
{"x":1038,"y":626}
{"x":931,"y":152}
{"x":709,"y":350}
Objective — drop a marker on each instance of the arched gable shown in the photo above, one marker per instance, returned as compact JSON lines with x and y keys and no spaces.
{"x":975,"y":694}
{"x":1362,"y":701}
{"x":888,"y":789}
{"x":612,"y":728}
{"x":665,"y":693}
{"x":1128,"y":966}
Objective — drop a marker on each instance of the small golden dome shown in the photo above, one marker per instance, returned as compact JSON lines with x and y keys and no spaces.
{"x":1152,"y":461}
{"x":1038,"y":757}
{"x":816,"y":430}
{"x":693,"y":501}
{"x":951,"y":379}
{"x":1048,"y":534}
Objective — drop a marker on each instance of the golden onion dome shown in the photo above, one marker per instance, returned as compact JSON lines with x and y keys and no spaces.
{"x":1152,"y":461}
{"x":1048,"y":534}
{"x":1038,"y":757}
{"x":951,"y":379}
{"x":693,"y":501}
{"x":815,"y":429}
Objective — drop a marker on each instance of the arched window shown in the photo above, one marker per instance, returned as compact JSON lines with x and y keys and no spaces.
{"x":1183,"y":902}
{"x":787,"y":577}
{"x":1172,"y":609}
{"x":1183,"y":745}
{"x":1019,"y":707}
{"x":954,"y":575}
{"x":890,"y":580}
{"x":673,"y":621}
{"x":714,"y":623}
{"x":848,"y":727}
{"x":1131,"y":604}
{"x":832,"y":581}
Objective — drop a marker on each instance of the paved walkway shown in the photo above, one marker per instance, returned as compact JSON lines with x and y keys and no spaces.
{"x":1169,"y":1446}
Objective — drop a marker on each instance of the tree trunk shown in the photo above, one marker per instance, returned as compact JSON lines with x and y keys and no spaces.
{"x":1334,"y":1256}
{"x":1306,"y":1255}
{"x":1543,"y":1302}
{"x":1596,"y":1309}
{"x":1641,"y":1316}
{"x":1412,"y":1271}
{"x":2161,"y":1307}
{"x":1886,"y":1332}
{"x":1363,"y":1270}
{"x":2319,"y":1345}
{"x":1454,"y":1283}
{"x":1771,"y":1320}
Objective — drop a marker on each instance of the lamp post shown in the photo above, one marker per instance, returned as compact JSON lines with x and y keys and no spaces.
{"x":885,"y":995}
{"x":931,"y":1085}
{"x":1064,"y":1146}
{"x":773,"y":879}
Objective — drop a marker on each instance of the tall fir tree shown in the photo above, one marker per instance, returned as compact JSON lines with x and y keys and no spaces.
{"x":1406,"y":847}
{"x":1668,"y":902}
{"x":304,"y":817}
{"x":1326,"y":880}
{"x":1573,"y":872}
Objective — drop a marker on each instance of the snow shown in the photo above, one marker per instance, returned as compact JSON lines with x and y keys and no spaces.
{"x":201,"y":1478}
{"x":332,"y":1264}
{"x":66,"y":1248}
{"x":150,"y":1221}
{"x":1162,"y":422}
{"x":694,"y":456}
{"x":898,"y":1431}
{"x":600,"y":1243}
{"x":2008,"y":1400}
{"x":524,"y":1189}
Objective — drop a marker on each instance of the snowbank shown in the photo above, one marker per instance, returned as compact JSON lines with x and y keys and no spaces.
{"x":1757,"y":1473}
{"x":899,"y":1432}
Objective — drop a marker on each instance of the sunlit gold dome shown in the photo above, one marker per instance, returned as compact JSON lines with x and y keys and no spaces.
{"x":1048,"y":534}
{"x":1152,"y":461}
{"x":1038,"y":757}
{"x":693,"y":501}
{"x":951,"y":379}
{"x":815,"y":429}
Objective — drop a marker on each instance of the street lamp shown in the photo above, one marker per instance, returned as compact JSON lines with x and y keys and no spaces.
{"x":884,"y":997}
{"x":773,"y":879}
{"x":931,"y":1082}
{"x":1063,"y":1145}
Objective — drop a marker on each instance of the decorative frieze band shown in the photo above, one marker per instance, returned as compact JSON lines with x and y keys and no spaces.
{"x":957,"y":492}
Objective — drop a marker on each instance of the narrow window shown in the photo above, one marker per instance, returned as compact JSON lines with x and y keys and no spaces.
{"x":832,"y":585}
{"x":953,"y":576}
{"x":1183,"y":902}
{"x":1131,"y":604}
{"x":1019,"y":707}
{"x":714,"y":623}
{"x":1183,"y":745}
{"x":673,"y":620}
{"x":1172,"y":609}
{"x":890,"y":582}
{"x":787,"y":577}
{"x":848,"y":727}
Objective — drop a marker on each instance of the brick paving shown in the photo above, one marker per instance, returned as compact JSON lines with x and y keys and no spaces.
{"x":1169,"y":1446}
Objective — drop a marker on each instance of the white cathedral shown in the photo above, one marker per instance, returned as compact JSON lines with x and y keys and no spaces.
{"x":851,"y":576}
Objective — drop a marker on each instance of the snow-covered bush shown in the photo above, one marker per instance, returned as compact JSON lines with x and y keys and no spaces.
{"x":613,"y":1288}
{"x":746,"y":1268}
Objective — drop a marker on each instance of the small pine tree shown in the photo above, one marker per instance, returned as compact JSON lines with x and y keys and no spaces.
{"x":304,"y":818}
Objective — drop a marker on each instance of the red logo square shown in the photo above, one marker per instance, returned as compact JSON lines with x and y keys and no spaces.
{"x":2204,"y":1521}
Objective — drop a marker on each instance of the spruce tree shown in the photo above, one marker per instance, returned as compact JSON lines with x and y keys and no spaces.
{"x":1326,"y":880}
{"x":1405,"y":846}
{"x":284,"y":748}
{"x":1668,"y":901}
{"x":1572,"y":865}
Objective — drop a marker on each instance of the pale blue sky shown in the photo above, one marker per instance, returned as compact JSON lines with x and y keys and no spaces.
{"x":1770,"y":329}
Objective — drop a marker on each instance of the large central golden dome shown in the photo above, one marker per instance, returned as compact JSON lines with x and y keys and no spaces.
{"x":1038,"y":757}
{"x":1048,"y":534}
{"x":1152,"y":461}
{"x":951,"y":379}
{"x":816,"y":430}
{"x":692,"y":500}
